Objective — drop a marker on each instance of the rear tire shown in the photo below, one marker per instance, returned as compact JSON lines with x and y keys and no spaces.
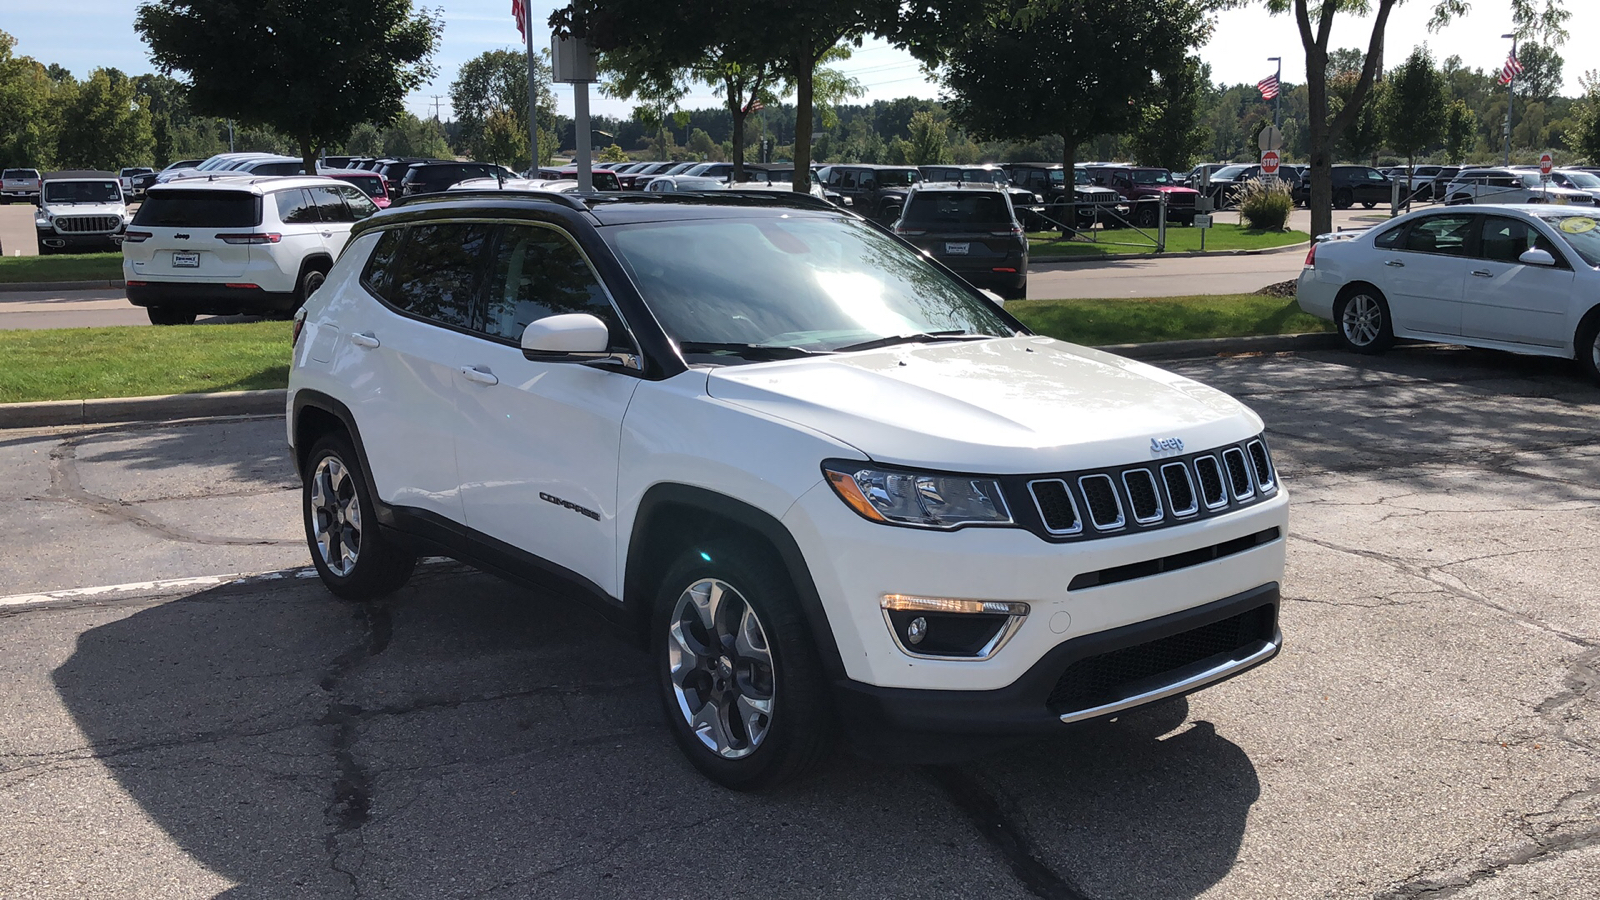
{"x":1368,"y":204}
{"x":355,"y":557}
{"x":166,"y":315}
{"x":1343,"y":199}
{"x":742,"y":686}
{"x":1145,"y":218}
{"x":1362,"y":317}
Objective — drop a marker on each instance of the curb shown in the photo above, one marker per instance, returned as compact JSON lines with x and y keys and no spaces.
{"x":20,"y":286}
{"x":1186,"y":254}
{"x":141,"y":409}
{"x":257,"y":403}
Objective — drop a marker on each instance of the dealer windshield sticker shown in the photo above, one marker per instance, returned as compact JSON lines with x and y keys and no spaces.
{"x":1577,"y":225}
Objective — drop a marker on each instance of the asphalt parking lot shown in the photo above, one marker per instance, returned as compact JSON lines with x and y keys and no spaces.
{"x":1431,"y":729}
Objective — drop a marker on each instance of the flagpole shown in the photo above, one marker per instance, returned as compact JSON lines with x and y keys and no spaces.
{"x":533,"y":90}
{"x":1511,"y":94}
{"x":1277,"y":101}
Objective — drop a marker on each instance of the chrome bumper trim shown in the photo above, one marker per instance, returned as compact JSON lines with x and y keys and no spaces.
{"x":1265,"y":651}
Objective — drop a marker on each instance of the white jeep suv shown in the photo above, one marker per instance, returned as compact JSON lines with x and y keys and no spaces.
{"x":229,"y":245}
{"x":80,"y":210}
{"x":825,"y":482}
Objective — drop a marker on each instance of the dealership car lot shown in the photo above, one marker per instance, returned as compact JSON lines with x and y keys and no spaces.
{"x":1431,"y":719}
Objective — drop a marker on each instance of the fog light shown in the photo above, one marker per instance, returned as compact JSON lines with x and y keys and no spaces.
{"x":917,"y":630}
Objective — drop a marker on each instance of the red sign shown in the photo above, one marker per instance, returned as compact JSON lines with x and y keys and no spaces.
{"x":1269,"y":162}
{"x":1546,"y":163}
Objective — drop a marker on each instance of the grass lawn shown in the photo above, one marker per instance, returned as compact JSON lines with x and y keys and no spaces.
{"x":1137,"y":321}
{"x":62,"y":267}
{"x":1180,"y":239}
{"x":141,"y":361}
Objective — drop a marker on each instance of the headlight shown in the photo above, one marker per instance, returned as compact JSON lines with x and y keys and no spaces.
{"x":918,"y":499}
{"x":42,"y":218}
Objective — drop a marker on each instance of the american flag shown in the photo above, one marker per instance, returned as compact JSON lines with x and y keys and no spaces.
{"x":1511,"y":69}
{"x":519,"y":10}
{"x":1268,"y":87}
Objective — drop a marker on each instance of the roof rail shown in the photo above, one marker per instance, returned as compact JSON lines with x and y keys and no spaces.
{"x":565,"y":199}
{"x":585,"y":202}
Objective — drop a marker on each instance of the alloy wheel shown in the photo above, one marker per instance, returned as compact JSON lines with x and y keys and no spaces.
{"x":1363,"y":320}
{"x":336,"y":515}
{"x":721,"y":668}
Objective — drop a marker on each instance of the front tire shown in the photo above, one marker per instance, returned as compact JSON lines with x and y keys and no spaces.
{"x":1587,"y":347}
{"x":1343,"y":199}
{"x":1368,"y":204}
{"x":1362,"y":317}
{"x":356,"y":559}
{"x":741,"y":684}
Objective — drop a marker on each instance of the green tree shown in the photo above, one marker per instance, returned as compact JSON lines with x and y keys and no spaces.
{"x":1169,"y":133}
{"x":411,"y":136}
{"x":1584,"y":135}
{"x":1415,"y":107}
{"x":1541,"y":72}
{"x":1076,"y":69}
{"x":105,"y":125}
{"x":28,"y":116}
{"x":497,"y":81}
{"x":503,"y":139}
{"x":613,"y":153}
{"x":701,"y":145}
{"x":312,"y":69}
{"x":1460,"y":132}
{"x":929,"y":144}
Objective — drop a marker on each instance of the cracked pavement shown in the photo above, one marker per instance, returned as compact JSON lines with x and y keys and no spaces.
{"x":1430,"y":729}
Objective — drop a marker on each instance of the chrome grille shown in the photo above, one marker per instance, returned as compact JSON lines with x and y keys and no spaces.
{"x":1209,"y":471}
{"x":1105,"y":509}
{"x":1078,"y":505}
{"x":1056,"y":506}
{"x":87,"y":224}
{"x":1238,"y":473}
{"x":1142,"y":496}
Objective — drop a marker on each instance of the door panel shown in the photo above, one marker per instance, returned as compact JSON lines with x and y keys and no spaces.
{"x":538,"y":450}
{"x":1505,"y":300}
{"x":1424,"y":278}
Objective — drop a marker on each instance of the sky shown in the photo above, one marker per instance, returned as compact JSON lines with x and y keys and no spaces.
{"x":88,"y":34}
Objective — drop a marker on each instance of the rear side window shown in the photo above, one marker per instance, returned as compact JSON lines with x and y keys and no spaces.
{"x":359,"y":205}
{"x":1390,"y":239}
{"x":537,"y":272}
{"x":944,"y":210}
{"x":200,"y":209}
{"x":1440,"y":234}
{"x":376,"y":274}
{"x":330,"y":203}
{"x":295,"y":207}
{"x":436,"y":274}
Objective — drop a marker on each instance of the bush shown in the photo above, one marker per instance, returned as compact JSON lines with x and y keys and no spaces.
{"x":1265,"y":205}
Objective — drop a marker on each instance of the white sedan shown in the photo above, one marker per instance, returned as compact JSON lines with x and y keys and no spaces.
{"x":1519,"y":278}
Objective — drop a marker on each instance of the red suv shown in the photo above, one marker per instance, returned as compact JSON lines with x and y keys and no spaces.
{"x":371,"y":183}
{"x":1144,"y":186}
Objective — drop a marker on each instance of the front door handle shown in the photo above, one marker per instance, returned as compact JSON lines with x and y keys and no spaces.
{"x":1481,"y":273}
{"x":479,"y":376}
{"x":365,"y":339}
{"x":1395,"y":264}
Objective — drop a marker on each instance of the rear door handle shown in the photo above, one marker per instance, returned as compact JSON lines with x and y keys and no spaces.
{"x":1481,"y":273}
{"x":365,"y":339}
{"x":1395,"y":263}
{"x":480,"y":376}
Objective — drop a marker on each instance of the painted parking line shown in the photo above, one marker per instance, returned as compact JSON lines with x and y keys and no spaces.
{"x":168,"y":585}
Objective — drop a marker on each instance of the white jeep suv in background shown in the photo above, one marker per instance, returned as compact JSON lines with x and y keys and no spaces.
{"x":229,"y":245}
{"x":824,"y":481}
{"x":80,"y":210}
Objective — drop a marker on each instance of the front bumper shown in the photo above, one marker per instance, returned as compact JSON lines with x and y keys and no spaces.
{"x":1089,"y":677}
{"x":56,"y":240}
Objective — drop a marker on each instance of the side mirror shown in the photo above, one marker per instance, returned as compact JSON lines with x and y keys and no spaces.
{"x":574,"y":337}
{"x":1537,"y":257}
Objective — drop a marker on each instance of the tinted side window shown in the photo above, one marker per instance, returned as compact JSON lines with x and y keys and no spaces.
{"x":1505,"y":240}
{"x":1440,"y":234}
{"x":359,"y":204}
{"x":1390,"y":239}
{"x":296,"y":208}
{"x":536,"y":272}
{"x":330,"y":203}
{"x":381,"y":262}
{"x":436,"y":277}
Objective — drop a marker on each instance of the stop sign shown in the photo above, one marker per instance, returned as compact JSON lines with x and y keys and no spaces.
{"x":1546,"y":163}
{"x":1269,"y":162}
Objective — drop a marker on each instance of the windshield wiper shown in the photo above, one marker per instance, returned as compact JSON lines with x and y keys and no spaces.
{"x":919,"y":338}
{"x":757,"y":352}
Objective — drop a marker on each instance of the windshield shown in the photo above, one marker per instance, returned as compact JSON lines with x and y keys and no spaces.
{"x":1582,"y":179}
{"x":1227,"y":172}
{"x":1152,"y":176}
{"x":817,"y":284}
{"x":1582,"y":232}
{"x":982,"y":176}
{"x":82,"y":192}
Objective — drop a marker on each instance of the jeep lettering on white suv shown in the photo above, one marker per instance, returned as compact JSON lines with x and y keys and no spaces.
{"x":230,"y":245}
{"x":80,"y":210}
{"x":825,"y":482}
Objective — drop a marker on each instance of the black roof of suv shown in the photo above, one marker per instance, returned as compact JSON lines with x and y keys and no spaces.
{"x":431,"y":177}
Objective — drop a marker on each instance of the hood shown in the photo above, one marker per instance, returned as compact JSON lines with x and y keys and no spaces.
{"x":1170,"y":188}
{"x":1005,"y":406}
{"x":59,"y":209}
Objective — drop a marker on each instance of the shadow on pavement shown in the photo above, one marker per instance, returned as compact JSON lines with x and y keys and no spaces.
{"x":468,"y":738}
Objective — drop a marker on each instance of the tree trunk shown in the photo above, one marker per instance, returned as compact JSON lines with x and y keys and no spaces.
{"x":308,"y":153}
{"x":739,"y":115}
{"x":1068,"y":214}
{"x":805,"y":67}
{"x":1320,"y":200}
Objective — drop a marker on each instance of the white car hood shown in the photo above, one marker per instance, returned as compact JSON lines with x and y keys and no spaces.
{"x":85,"y":209}
{"x":1006,"y":406}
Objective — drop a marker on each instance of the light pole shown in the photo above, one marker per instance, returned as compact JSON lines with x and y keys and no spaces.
{"x":1511,"y":94}
{"x":1277,"y":101}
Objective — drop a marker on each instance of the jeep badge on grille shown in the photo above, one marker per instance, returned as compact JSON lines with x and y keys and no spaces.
{"x":1159,"y":446}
